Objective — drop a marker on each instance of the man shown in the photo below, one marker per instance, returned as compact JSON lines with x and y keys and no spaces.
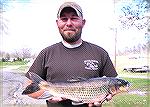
{"x":72,"y":57}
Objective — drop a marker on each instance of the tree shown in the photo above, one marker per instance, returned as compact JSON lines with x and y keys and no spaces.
{"x":6,"y":5}
{"x":7,"y":57}
{"x":131,"y":14}
{"x":26,"y":53}
{"x":3,"y":21}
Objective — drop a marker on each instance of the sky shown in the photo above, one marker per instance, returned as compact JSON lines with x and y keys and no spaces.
{"x":32,"y":25}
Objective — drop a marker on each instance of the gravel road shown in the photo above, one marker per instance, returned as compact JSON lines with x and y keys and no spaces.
{"x":12,"y":85}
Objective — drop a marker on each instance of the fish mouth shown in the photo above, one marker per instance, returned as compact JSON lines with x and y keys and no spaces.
{"x":123,"y":89}
{"x":33,"y":87}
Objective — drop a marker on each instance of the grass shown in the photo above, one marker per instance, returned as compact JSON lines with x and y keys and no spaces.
{"x":127,"y":100}
{"x":6,"y":64}
{"x":23,"y":68}
{"x":12,"y":63}
{"x":137,"y":83}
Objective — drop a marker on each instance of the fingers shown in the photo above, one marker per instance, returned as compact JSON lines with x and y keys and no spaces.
{"x":56,"y":99}
{"x":109,"y":97}
{"x":90,"y":105}
{"x":99,"y":102}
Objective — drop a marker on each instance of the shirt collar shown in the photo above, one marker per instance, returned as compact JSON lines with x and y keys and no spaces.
{"x":70,"y":45}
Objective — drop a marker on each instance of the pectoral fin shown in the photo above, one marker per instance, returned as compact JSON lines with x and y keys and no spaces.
{"x":45,"y":95}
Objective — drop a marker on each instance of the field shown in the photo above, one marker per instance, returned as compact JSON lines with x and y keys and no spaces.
{"x":139,"y":92}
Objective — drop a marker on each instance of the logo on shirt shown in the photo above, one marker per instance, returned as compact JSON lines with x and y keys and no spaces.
{"x":91,"y":64}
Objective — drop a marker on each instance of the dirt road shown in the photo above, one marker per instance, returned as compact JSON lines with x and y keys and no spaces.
{"x":12,"y":85}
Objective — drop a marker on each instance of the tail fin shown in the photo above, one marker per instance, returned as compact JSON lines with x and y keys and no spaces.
{"x":35,"y":78}
{"x":37,"y":84}
{"x":33,"y":87}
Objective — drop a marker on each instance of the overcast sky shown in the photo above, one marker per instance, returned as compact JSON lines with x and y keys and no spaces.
{"x":33,"y":25}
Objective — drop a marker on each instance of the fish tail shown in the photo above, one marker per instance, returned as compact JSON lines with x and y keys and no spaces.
{"x":37,"y":84}
{"x":35,"y":78}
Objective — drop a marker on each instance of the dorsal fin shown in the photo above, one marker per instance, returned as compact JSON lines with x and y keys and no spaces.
{"x":79,"y":79}
{"x":35,"y":78}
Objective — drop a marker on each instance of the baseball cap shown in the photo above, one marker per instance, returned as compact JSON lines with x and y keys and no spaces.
{"x":73,"y":5}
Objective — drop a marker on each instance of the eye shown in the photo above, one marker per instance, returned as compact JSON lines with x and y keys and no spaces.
{"x":74,"y":18}
{"x":64,"y":19}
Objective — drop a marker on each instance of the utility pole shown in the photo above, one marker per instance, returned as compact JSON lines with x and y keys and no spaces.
{"x":115,"y":31}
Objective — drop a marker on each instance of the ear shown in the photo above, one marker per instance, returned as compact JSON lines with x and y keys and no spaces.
{"x":57,"y":22}
{"x":83,"y":22}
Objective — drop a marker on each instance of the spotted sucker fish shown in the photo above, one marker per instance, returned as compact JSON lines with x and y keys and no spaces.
{"x":80,"y":90}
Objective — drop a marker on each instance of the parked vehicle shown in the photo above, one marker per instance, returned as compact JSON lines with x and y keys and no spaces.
{"x":137,"y":69}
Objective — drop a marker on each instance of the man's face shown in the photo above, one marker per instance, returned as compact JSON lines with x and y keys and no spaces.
{"x":70,"y":25}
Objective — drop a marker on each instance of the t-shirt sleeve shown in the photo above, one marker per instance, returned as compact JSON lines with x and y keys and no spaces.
{"x":108,"y":67}
{"x":38,"y":66}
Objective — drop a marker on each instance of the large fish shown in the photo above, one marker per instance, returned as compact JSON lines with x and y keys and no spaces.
{"x":79,"y":91}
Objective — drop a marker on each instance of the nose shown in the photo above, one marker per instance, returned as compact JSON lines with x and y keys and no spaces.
{"x":69,"y":22}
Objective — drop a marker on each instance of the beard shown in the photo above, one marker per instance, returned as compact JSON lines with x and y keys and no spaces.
{"x":71,"y":38}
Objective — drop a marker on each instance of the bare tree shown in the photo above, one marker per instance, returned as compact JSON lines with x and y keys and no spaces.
{"x":132,"y":14}
{"x":3,"y":21}
{"x":26,"y":53}
{"x":16,"y":54}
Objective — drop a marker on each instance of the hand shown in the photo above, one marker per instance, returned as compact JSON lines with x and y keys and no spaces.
{"x":98,"y":102}
{"x":56,"y":99}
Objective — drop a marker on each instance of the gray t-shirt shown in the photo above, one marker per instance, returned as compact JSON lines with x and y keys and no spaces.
{"x":59,"y":63}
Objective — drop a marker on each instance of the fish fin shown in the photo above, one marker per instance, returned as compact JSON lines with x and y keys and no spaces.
{"x":82,"y":79}
{"x":77,"y":103}
{"x":45,"y":95}
{"x":35,"y":78}
{"x":33,"y":87}
{"x":79,"y":79}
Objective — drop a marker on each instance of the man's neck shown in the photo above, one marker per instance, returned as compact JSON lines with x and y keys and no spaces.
{"x":72,"y":45}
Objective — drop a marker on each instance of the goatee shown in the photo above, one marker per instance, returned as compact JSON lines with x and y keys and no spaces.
{"x":72,"y":38}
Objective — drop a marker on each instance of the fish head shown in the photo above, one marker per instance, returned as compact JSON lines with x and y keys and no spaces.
{"x":119,"y":85}
{"x":123,"y":85}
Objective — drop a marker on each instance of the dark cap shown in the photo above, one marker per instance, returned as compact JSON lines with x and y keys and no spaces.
{"x":73,"y":5}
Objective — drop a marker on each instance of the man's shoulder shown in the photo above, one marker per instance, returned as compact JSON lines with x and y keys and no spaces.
{"x":95,"y":46}
{"x":51,"y":47}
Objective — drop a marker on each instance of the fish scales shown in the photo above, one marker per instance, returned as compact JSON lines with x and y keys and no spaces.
{"x":79,"y":91}
{"x":82,"y":91}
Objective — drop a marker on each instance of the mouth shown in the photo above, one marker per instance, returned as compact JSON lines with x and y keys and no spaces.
{"x":69,"y":30}
{"x":123,"y":89}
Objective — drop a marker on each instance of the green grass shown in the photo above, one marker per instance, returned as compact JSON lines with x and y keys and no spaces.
{"x":23,"y":68}
{"x":137,"y":83}
{"x":127,"y":100}
{"x":3,"y":64}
